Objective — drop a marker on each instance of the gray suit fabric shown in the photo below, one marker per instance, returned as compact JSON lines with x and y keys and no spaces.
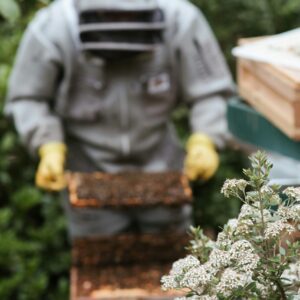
{"x":117,"y":114}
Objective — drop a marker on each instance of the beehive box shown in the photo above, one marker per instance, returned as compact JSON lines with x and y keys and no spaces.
{"x":128,"y":189}
{"x":133,"y":282}
{"x":128,"y":266}
{"x":130,"y":248}
{"x":272,"y":90}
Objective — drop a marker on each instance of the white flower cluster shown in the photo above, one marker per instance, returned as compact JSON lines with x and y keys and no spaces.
{"x":232,"y":224}
{"x":253,"y":212}
{"x":248,"y":211}
{"x":268,"y":192}
{"x":196,"y":277}
{"x":291,"y":277}
{"x":293,"y":193}
{"x":236,"y":265}
{"x":188,"y":273}
{"x":178,"y":271}
{"x":263,"y":288}
{"x":218,"y":259}
{"x":231,"y":280}
{"x":241,"y":226}
{"x":292,"y":274}
{"x":245,"y":227}
{"x":247,"y":248}
{"x":275,"y":229}
{"x":223,"y":240}
{"x":232,"y":186}
{"x":243,"y":257}
{"x":290,"y":213}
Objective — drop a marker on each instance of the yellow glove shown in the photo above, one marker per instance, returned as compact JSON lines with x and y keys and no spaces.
{"x":202,"y":160}
{"x":50,"y":173}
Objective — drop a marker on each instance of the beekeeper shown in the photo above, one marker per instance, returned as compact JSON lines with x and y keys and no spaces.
{"x":93,"y":88}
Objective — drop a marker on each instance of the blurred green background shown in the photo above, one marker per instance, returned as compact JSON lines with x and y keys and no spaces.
{"x":34,"y":251}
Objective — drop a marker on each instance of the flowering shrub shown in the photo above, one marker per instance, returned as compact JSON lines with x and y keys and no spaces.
{"x":255,"y":256}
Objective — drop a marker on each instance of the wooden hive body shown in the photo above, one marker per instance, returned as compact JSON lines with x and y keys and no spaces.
{"x":126,"y":266}
{"x":97,"y":274}
{"x":272,"y":90}
{"x":120,"y":283}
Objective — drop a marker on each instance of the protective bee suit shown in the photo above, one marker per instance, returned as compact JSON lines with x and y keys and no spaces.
{"x":107,"y":89}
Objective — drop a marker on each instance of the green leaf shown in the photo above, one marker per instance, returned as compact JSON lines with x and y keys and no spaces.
{"x":26,"y":198}
{"x":10,"y":10}
{"x":6,"y":216}
{"x":282,"y":251}
{"x":9,"y":141}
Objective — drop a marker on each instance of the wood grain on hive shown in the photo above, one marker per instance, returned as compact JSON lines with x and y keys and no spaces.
{"x":129,"y":248}
{"x":128,"y":189}
{"x":272,"y":90}
{"x":128,"y":266}
{"x":132,"y":282}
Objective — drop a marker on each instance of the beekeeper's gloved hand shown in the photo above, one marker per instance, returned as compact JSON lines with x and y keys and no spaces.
{"x":50,"y":173}
{"x":202,"y":160}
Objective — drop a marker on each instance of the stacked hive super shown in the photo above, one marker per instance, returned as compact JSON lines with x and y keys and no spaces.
{"x":273,"y":91}
{"x":126,"y":266}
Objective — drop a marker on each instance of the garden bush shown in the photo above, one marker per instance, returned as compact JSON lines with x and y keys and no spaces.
{"x":235,"y":19}
{"x":256,"y":256}
{"x":34,"y":252}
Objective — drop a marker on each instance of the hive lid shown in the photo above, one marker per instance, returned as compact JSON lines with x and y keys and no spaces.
{"x":128,"y":189}
{"x":287,"y":75}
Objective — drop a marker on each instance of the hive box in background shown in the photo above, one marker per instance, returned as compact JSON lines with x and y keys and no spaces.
{"x":272,"y":90}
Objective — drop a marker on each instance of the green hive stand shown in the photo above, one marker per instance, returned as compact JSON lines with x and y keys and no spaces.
{"x":251,"y":127}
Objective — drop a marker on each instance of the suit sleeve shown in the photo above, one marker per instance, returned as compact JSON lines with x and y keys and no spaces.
{"x":32,"y":88}
{"x":205,"y":81}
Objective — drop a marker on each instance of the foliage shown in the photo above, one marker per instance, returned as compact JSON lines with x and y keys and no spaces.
{"x":211,"y":209}
{"x":234,"y":19}
{"x":255,"y":256}
{"x":10,"y":10}
{"x":34,"y":252}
